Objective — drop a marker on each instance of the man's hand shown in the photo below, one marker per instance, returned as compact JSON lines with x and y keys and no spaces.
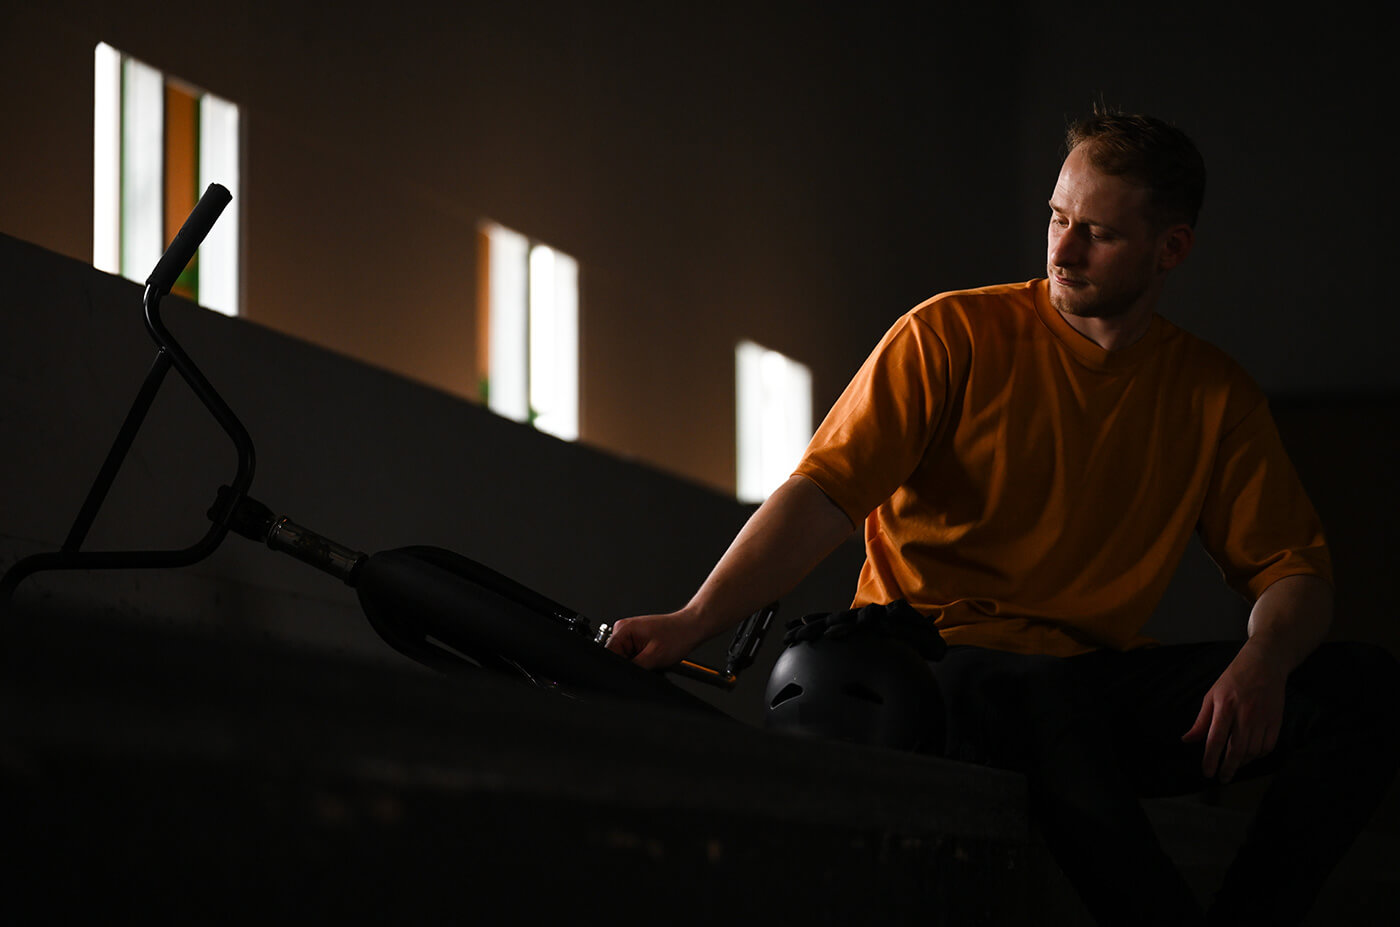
{"x":655,"y":641}
{"x":1241,"y":715}
{"x":794,"y":529}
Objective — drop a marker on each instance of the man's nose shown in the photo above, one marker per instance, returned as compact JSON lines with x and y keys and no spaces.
{"x":1065,"y":248}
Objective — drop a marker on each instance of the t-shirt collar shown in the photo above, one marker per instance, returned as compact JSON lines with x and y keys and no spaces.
{"x":1085,"y":350}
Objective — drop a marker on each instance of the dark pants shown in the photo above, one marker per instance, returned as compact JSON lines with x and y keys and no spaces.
{"x":1097,"y":732}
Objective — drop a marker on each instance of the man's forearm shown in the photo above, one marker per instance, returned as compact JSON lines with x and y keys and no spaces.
{"x":1241,"y":714}
{"x":1290,"y":619}
{"x":793,"y":531}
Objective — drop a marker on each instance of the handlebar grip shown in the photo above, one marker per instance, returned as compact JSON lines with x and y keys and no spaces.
{"x":187,"y":241}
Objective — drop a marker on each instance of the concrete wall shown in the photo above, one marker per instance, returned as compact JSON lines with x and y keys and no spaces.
{"x":793,"y":174}
{"x":730,"y":171}
{"x":367,"y":458}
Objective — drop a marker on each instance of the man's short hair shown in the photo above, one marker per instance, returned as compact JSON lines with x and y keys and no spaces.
{"x":1148,"y":152}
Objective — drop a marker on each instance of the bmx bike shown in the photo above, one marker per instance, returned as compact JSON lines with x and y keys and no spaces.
{"x":439,"y":608}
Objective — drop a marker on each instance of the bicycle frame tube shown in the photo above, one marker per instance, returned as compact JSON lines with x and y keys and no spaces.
{"x":169,"y":355}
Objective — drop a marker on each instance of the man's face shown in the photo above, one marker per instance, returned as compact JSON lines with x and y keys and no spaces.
{"x":1102,"y":254}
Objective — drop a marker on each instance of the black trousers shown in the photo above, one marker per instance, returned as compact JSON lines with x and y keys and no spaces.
{"x":1097,"y":732}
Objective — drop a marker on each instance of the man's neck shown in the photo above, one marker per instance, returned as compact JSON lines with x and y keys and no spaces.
{"x":1114,"y":333}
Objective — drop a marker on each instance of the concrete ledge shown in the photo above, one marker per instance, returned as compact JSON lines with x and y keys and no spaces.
{"x":184,"y":775}
{"x":190,"y":776}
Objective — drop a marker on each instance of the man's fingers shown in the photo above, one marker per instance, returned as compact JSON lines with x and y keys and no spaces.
{"x":620,"y":639}
{"x":645,"y":656}
{"x":1217,"y":742}
{"x":1270,"y":739}
{"x":1243,"y":715}
{"x":651,"y":641}
{"x":1244,"y":750}
{"x":632,"y":640}
{"x":1214,"y":725}
{"x":1215,"y":754}
{"x":1202,"y":725}
{"x":1234,"y":758}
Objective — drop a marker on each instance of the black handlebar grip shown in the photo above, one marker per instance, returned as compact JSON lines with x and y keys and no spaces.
{"x":187,"y":241}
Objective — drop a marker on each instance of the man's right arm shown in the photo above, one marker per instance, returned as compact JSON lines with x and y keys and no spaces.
{"x":792,"y":532}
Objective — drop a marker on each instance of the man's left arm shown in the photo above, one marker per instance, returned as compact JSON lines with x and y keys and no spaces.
{"x":1241,"y":715}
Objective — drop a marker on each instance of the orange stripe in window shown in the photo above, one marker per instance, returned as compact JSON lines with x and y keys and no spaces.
{"x":181,"y":172}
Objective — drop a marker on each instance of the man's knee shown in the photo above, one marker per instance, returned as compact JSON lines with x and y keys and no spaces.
{"x":1355,"y":685}
{"x":1355,"y":669}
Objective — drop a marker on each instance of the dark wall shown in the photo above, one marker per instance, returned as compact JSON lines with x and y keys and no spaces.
{"x":1289,"y":112}
{"x":781,"y":172}
{"x":794,"y":174}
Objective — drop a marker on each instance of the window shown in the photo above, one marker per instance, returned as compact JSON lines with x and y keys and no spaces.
{"x":529,"y":366}
{"x":774,"y":417}
{"x":157,"y":144}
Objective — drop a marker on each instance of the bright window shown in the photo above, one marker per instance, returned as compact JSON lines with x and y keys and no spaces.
{"x":530,"y":367}
{"x":157,"y":145}
{"x":774,"y":417}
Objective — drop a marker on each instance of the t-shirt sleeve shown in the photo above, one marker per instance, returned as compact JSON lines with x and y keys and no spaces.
{"x":1257,"y":521}
{"x":877,"y":431}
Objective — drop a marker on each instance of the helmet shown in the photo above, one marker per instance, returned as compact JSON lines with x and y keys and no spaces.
{"x":865,"y":687}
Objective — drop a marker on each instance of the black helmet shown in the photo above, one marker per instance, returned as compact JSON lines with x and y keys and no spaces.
{"x":860,"y":677}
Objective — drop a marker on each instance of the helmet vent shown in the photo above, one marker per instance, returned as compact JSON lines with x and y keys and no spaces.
{"x":863,"y":692}
{"x":790,"y":691}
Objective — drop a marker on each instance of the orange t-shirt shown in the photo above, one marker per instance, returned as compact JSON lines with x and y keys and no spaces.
{"x":1035,"y":492}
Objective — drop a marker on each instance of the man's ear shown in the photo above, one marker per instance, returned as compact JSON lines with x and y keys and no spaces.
{"x":1176,"y":245}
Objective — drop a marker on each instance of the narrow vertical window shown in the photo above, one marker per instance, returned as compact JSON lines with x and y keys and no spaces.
{"x":774,"y":397}
{"x":106,"y":160}
{"x":157,"y":145}
{"x":142,"y":189}
{"x":554,"y":342}
{"x":530,"y":296}
{"x":218,"y":163}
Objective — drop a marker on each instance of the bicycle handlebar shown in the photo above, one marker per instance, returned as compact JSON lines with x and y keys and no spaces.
{"x":187,"y":241}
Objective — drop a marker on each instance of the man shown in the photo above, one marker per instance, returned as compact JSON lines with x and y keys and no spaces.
{"x":1029,"y":462}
